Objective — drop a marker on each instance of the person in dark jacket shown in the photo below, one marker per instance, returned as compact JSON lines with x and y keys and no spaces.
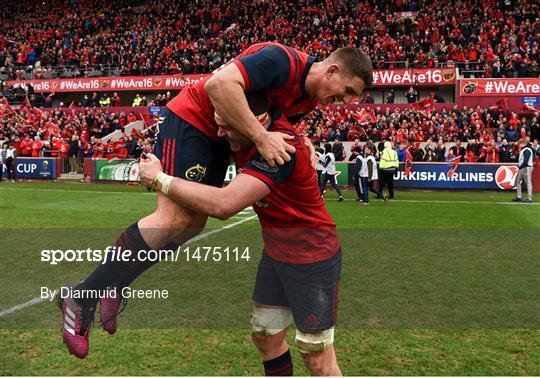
{"x":390,"y":98}
{"x":73,"y":153}
{"x":338,"y":150}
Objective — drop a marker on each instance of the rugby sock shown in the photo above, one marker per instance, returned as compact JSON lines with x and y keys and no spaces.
{"x":139,"y":267}
{"x":112,"y":270}
{"x":279,"y":366}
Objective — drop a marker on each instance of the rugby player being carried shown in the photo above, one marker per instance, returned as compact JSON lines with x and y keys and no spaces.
{"x":190,"y":148}
{"x":299,"y":272}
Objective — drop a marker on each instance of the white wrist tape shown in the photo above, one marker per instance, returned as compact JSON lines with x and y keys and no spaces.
{"x":165,"y":180}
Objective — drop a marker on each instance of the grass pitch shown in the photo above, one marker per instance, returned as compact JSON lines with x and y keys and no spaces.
{"x":434,"y":283}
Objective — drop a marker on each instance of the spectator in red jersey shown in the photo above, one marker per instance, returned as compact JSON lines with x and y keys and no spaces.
{"x":131,"y":117}
{"x":514,"y":121}
{"x":492,"y":153}
{"x":116,"y":101}
{"x":64,"y":149}
{"x":54,"y":147}
{"x":36,"y":147}
{"x":26,"y":146}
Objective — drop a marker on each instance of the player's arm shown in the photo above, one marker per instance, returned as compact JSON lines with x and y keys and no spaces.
{"x":227,"y":87}
{"x":220,"y":203}
{"x":312,"y":155}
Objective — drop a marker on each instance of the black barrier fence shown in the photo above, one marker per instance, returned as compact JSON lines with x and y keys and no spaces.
{"x":391,"y":278}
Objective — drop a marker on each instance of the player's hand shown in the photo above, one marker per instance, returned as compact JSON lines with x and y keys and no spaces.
{"x":312,"y":156}
{"x":274,"y":148}
{"x":149,"y":167}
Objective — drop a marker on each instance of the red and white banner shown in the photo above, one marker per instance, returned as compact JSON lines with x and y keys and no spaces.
{"x":439,"y":76}
{"x":111,"y":84}
{"x":381,"y":78}
{"x":499,"y":87}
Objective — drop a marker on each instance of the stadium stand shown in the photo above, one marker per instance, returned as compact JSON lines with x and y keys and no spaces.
{"x":405,"y":124}
{"x":488,"y":130}
{"x":80,"y":133}
{"x":70,"y":38}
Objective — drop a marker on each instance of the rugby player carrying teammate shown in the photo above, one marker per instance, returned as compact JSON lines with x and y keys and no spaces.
{"x":299,"y":272}
{"x":189,"y":147}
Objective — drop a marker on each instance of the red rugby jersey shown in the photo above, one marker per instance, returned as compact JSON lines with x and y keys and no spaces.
{"x":296,"y":226}
{"x":276,"y":69}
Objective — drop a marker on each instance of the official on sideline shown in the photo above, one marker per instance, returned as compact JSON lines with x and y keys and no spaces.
{"x":388,"y":165}
{"x":526,"y":158}
{"x":329,"y":171}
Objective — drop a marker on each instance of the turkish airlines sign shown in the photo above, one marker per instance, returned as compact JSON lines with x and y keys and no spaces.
{"x":101,"y":84}
{"x":499,"y":87}
{"x":439,"y":76}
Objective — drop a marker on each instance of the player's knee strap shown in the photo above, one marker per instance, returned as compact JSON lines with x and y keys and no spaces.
{"x":308,"y":342}
{"x":270,"y":321}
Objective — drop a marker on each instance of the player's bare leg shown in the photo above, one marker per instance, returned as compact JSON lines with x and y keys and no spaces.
{"x":322,"y":363}
{"x":269,"y":327}
{"x":270,"y":346}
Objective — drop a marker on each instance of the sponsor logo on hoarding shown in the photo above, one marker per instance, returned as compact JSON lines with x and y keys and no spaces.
{"x":443,"y":176}
{"x":117,"y":170}
{"x":35,"y":168}
{"x":470,"y":87}
{"x":26,"y":168}
{"x":505,"y":177}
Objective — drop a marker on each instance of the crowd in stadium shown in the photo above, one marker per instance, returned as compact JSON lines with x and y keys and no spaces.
{"x":78,"y":134}
{"x":76,"y":38}
{"x":489,"y":135}
{"x":348,"y":124}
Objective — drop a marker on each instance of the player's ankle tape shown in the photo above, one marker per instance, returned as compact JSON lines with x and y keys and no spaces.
{"x":164,"y":180}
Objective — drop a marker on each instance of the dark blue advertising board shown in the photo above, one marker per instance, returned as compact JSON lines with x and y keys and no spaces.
{"x":35,"y":168}
{"x":466,"y":176}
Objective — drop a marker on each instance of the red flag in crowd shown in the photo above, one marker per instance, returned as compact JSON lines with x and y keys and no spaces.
{"x":500,"y":104}
{"x":149,"y":119}
{"x":425,"y":105}
{"x":529,"y":108}
{"x":26,"y":106}
{"x":136,"y":133}
{"x":5,"y":109}
{"x":367,"y":116}
{"x":51,"y":129}
{"x":408,"y":163}
{"x":455,"y":164}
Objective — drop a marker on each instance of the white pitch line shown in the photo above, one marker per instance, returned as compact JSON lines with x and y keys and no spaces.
{"x":77,"y":191}
{"x":31,"y":302}
{"x":197,"y":238}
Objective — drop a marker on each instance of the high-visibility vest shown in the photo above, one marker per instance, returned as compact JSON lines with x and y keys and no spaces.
{"x":137,"y":101}
{"x":105,"y":101}
{"x":389,"y":159}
